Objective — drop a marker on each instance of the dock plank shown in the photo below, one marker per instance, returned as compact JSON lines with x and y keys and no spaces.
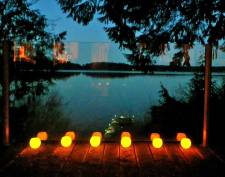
{"x":191,"y":155}
{"x":211,"y":165}
{"x":145,"y":160}
{"x":144,"y":156}
{"x":178,"y":160}
{"x":40,"y":162}
{"x":163,"y":162}
{"x":54,"y":157}
{"x":111,"y":160}
{"x":194,"y":161}
{"x":93,"y":161}
{"x":159,"y":154}
{"x":75,"y":164}
{"x":128,"y":162}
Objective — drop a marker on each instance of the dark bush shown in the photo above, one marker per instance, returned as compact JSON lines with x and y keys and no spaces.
{"x":186,"y":112}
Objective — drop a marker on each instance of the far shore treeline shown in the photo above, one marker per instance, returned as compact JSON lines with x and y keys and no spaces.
{"x":45,"y":64}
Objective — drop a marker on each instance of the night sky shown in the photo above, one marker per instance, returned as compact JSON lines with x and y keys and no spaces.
{"x":90,"y":43}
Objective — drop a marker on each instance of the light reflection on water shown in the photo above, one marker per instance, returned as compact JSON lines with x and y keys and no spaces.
{"x":92,"y":100}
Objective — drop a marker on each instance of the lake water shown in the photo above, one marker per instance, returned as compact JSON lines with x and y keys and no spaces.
{"x":92,"y":99}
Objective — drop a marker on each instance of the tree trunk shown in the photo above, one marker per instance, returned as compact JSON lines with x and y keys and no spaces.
{"x":207,"y":93}
{"x":5,"y":93}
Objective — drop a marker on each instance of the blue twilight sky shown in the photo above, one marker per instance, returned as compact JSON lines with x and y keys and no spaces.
{"x":90,"y":43}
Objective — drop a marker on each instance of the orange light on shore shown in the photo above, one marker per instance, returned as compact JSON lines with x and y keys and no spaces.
{"x":71,"y":134}
{"x":96,"y":139}
{"x":180,"y":136}
{"x":185,"y":143}
{"x":157,"y":143}
{"x":42,"y":135}
{"x":125,"y":140}
{"x":66,"y":141}
{"x":35,"y":143}
{"x":154,"y":135}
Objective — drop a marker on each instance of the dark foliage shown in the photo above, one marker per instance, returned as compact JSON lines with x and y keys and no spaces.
{"x":147,"y":27}
{"x":185,"y":114}
{"x":29,"y":111}
{"x":20,"y":24}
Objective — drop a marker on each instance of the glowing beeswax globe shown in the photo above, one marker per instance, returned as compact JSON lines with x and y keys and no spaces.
{"x":66,"y":141}
{"x":71,"y":134}
{"x":42,"y":135}
{"x":95,"y":139}
{"x":125,"y":140}
{"x":35,"y":143}
{"x":180,"y":136}
{"x":157,"y":143}
{"x":185,"y":143}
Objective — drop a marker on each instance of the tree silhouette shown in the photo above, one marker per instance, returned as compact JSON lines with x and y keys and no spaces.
{"x":17,"y":23}
{"x":132,"y":24}
{"x":147,"y":28}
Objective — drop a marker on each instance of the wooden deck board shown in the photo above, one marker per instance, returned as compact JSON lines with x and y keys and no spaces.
{"x":216,"y":167}
{"x":128,"y":162}
{"x":191,"y":155}
{"x":55,"y":157}
{"x":37,"y":162}
{"x":159,"y":155}
{"x":74,"y":166}
{"x":111,"y":160}
{"x":145,"y":160}
{"x":198,"y":164}
{"x":79,"y":153}
{"x":95,"y":155}
{"x":178,"y":160}
{"x":165,"y":161}
{"x":84,"y":161}
{"x":93,"y":161}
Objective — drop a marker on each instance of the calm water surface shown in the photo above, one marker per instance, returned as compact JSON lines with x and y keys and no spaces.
{"x":92,"y":100}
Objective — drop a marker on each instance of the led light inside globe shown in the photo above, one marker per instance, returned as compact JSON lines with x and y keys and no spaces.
{"x":125,"y":140}
{"x":96,"y":139}
{"x":185,"y":143}
{"x":66,"y":141}
{"x":157,"y":143}
{"x":35,"y":143}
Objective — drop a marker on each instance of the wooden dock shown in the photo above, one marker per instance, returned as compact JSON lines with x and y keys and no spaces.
{"x":111,"y":160}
